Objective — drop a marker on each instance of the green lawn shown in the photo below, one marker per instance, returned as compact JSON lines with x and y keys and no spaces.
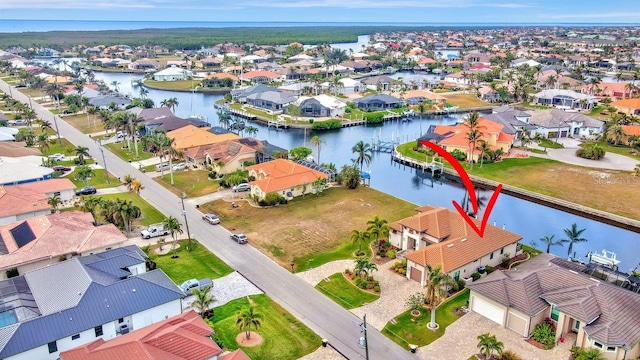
{"x":410,"y":329}
{"x":193,"y":182}
{"x":531,"y":250}
{"x":99,"y":181}
{"x":283,"y":336}
{"x":173,"y":85}
{"x":345,"y":250}
{"x":344,"y":292}
{"x":546,"y":143}
{"x":126,"y":154}
{"x":150,"y":215}
{"x":199,"y":263}
{"x":66,"y":148}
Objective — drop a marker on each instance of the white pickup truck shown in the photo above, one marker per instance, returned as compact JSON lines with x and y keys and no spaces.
{"x":154,"y":230}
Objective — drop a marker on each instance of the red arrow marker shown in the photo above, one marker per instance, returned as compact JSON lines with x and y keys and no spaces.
{"x":470,"y":190}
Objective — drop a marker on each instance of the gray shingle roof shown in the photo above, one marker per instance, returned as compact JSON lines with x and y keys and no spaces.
{"x":555,"y":117}
{"x":612,"y":314}
{"x":388,"y":99}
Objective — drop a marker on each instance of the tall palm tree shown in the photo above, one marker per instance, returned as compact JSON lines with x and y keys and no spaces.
{"x":472,"y":122}
{"x":248,"y":318}
{"x":81,"y":153}
{"x":363,"y":153}
{"x":379,"y":228}
{"x":615,"y":133}
{"x":203,"y":299}
{"x":43,"y":143}
{"x":573,"y":236}
{"x":484,"y":151}
{"x":359,"y":237}
{"x":128,"y":182}
{"x":115,"y":84}
{"x":171,"y":103}
{"x":317,"y":141}
{"x":173,"y":225}
{"x":548,"y":240}
{"x":438,"y":285}
{"x":251,"y":130}
{"x":421,"y":108}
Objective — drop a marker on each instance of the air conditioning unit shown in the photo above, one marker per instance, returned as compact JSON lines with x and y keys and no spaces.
{"x":123,"y":329}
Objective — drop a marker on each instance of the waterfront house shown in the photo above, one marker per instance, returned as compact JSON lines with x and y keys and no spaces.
{"x":144,"y":64}
{"x":515,"y":122}
{"x":320,"y":106}
{"x":565,"y":99}
{"x":220,"y":80}
{"x":161,"y":119}
{"x":259,"y":77}
{"x":285,"y":177}
{"x":190,"y":136}
{"x":240,"y":95}
{"x":104,"y":296}
{"x":172,"y":73}
{"x":271,"y":100}
{"x":109,"y":101}
{"x":44,"y":240}
{"x":225,"y":156}
{"x":628,"y":106}
{"x":555,"y":123}
{"x":377,"y":102}
{"x":595,"y":313}
{"x":438,"y":236}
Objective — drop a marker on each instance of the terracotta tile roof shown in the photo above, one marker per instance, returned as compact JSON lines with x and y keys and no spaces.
{"x":281,"y":174}
{"x":229,"y":150}
{"x":30,"y":197}
{"x":612,"y":313}
{"x":222,"y":76}
{"x":55,"y":235}
{"x":630,"y":130}
{"x":460,"y":245}
{"x":235,"y":355}
{"x":190,"y":136}
{"x":184,"y":336}
{"x":628,"y":103}
{"x":456,"y":135}
{"x":259,"y":73}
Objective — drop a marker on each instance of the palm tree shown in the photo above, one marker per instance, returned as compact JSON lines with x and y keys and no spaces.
{"x":363,"y":153}
{"x":359,"y":237}
{"x":484,"y":151}
{"x":170,"y":103}
{"x":203,"y":299}
{"x":115,"y":84}
{"x":128,"y":182}
{"x":317,"y":141}
{"x":548,"y":240}
{"x":173,"y":225}
{"x":438,"y":284}
{"x":251,"y":130}
{"x":487,"y":343}
{"x":43,"y":142}
{"x":55,"y":201}
{"x":421,"y":108}
{"x":81,"y":153}
{"x":45,"y":125}
{"x":378,"y":228}
{"x":91,"y":205}
{"x":573,"y":237}
{"x":84,"y":173}
{"x":360,"y":269}
{"x":472,"y":122}
{"x":143,"y":92}
{"x":248,"y":318}
{"x":615,"y":133}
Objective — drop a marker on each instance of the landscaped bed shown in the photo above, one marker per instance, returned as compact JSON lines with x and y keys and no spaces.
{"x":299,"y":235}
{"x":283,"y":336}
{"x":199,"y":263}
{"x":409,"y":329}
{"x":344,"y":293}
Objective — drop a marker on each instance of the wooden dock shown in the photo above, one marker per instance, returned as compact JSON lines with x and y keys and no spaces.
{"x":278,"y":124}
{"x":433,"y":166}
{"x":241,"y":113}
{"x":347,"y":123}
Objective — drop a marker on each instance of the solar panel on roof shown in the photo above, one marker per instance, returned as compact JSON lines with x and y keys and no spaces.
{"x":22,"y":234}
{"x":3,"y":246}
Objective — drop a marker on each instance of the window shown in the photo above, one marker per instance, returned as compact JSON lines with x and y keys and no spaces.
{"x":53,"y":347}
{"x":98,"y":330}
{"x":75,"y":337}
{"x":597,"y":344}
{"x":120,"y":321}
{"x":555,"y":314}
{"x":501,"y":251}
{"x":456,"y":275}
{"x":491,"y":256}
{"x":611,"y":348}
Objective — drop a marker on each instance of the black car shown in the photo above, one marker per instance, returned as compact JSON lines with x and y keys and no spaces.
{"x":61,"y":168}
{"x":88,"y":190}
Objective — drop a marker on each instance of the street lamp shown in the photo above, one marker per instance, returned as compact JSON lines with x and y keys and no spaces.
{"x":186,"y":223}
{"x":104,"y":160}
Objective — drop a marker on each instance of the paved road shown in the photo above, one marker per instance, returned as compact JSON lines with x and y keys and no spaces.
{"x":319,"y":313}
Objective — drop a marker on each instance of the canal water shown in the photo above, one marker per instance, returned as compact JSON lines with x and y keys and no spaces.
{"x":532,"y":221}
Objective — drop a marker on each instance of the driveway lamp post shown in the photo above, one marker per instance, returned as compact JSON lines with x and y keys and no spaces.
{"x":186,"y":223}
{"x":104,"y":160}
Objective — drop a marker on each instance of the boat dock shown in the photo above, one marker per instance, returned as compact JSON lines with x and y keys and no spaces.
{"x":278,"y":124}
{"x":241,"y":113}
{"x":347,"y":123}
{"x":435,"y":166}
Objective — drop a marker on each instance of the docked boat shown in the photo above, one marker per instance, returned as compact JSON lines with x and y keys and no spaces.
{"x":607,"y":258}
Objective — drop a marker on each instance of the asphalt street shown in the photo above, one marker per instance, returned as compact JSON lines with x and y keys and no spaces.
{"x":322,"y":315}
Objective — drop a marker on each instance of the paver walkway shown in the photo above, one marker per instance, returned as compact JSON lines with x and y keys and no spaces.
{"x":315,"y":275}
{"x":227,"y":288}
{"x":460,"y":340}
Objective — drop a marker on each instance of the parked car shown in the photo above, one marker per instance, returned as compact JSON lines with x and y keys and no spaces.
{"x":19,"y":122}
{"x":194,"y":283}
{"x":239,"y":238}
{"x":87,"y":190}
{"x":242,"y":187}
{"x":180,"y":166}
{"x":61,"y":168}
{"x":163,"y":166}
{"x":57,"y":157}
{"x":211,"y":219}
{"x":122,"y":134}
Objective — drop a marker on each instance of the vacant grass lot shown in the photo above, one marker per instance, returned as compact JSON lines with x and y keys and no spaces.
{"x":98,"y":181}
{"x":589,"y":187}
{"x":193,"y":183}
{"x":199,"y":263}
{"x":465,"y":100}
{"x":410,"y":329}
{"x":283,"y":336}
{"x":313,"y":229}
{"x":126,"y":154}
{"x":150,"y":215}
{"x":344,"y":293}
{"x":93,"y":125}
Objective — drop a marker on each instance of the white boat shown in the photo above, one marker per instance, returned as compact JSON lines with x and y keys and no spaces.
{"x":607,"y":258}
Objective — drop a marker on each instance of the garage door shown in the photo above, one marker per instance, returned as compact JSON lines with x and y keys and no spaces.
{"x":487,"y":310}
{"x":415,"y":274}
{"x":517,"y":323}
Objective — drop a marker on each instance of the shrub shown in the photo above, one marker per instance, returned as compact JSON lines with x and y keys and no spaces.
{"x":391,"y":253}
{"x":13,"y":272}
{"x":591,"y":151}
{"x":506,"y":260}
{"x":415,"y":301}
{"x":374,"y":118}
{"x":378,"y":257}
{"x":376,"y":288}
{"x":489,"y":269}
{"x":461,"y":284}
{"x":361,"y":283}
{"x":271,"y":199}
{"x":398,"y":266}
{"x":213,"y":174}
{"x":327,"y":125}
{"x":544,"y":334}
{"x":475,"y":276}
{"x":510,"y":355}
{"x":347,"y":271}
{"x":459,"y":155}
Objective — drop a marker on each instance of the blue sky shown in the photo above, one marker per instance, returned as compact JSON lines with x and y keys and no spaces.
{"x":397,"y":11}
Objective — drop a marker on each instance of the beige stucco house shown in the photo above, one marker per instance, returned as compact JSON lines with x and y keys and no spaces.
{"x":285,"y":177}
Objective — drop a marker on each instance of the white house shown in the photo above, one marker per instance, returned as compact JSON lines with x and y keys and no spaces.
{"x":23,"y":169}
{"x":172,"y":73}
{"x":102,"y":296}
{"x":320,"y":106}
{"x":555,"y":123}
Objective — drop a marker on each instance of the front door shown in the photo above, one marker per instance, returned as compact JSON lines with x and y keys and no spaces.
{"x":576,"y":326}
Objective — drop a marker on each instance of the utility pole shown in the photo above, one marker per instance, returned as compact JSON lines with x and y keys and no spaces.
{"x":186,"y":223}
{"x":363,"y":340}
{"x":55,"y":121}
{"x":104,"y":161}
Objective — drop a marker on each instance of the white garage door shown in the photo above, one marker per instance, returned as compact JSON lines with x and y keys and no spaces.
{"x":487,"y":310}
